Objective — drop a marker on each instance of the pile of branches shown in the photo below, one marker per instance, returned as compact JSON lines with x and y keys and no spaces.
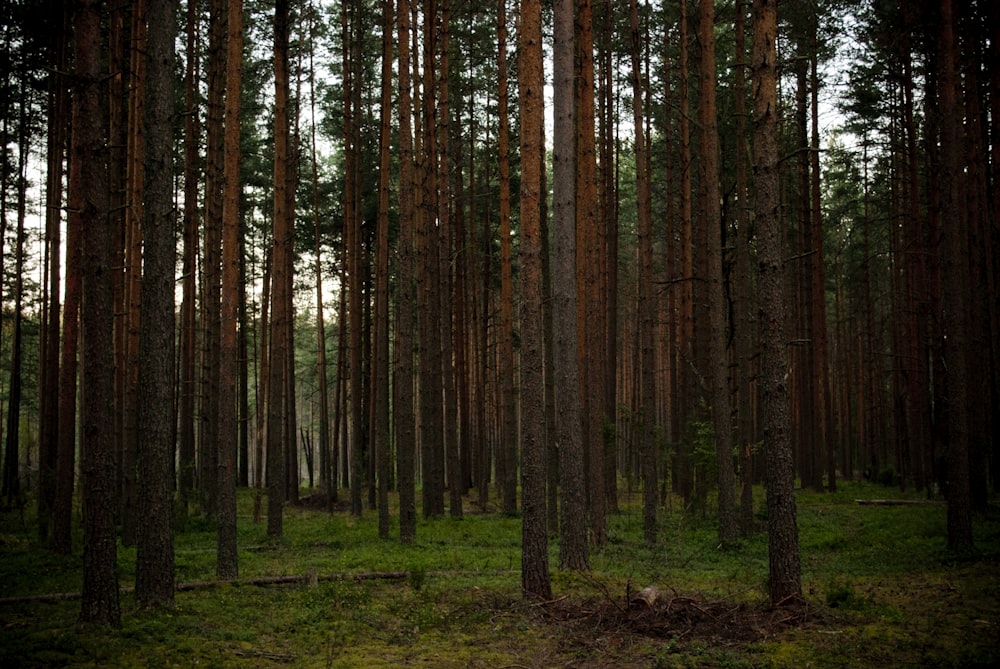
{"x":652,"y":613}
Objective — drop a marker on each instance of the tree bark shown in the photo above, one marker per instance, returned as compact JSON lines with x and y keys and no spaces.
{"x":573,"y":510}
{"x":590,"y":307}
{"x":322,"y":383}
{"x":647,"y":299}
{"x":281,"y":282}
{"x":57,"y":109}
{"x":187,"y":461}
{"x":745,"y":295}
{"x":954,"y":270}
{"x":212,"y":258}
{"x":719,"y":311}
{"x":608,"y":206}
{"x":354,"y":247}
{"x":11,"y":488}
{"x":227,"y":564}
{"x":380,"y":369}
{"x":406,"y":319}
{"x":534,"y":557}
{"x":154,"y":579}
{"x":783,"y":547}
{"x":452,"y":474}
{"x":508,"y":406}
{"x":88,"y":200}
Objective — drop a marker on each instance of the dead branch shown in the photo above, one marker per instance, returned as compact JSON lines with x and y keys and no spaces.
{"x":897,"y":502}
{"x":310,"y":578}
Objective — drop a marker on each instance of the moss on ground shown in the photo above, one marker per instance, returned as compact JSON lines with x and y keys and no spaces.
{"x":880,"y":588}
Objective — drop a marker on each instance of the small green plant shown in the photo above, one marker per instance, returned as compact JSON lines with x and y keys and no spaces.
{"x":417,"y":577}
{"x":841,"y":595}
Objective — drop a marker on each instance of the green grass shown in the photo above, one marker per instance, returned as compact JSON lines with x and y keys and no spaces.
{"x":883,"y":591}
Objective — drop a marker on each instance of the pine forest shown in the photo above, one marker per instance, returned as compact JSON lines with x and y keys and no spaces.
{"x":597,"y":281}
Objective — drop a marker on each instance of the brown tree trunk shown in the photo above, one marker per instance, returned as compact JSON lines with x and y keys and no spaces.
{"x":446,"y":260}
{"x":58,"y":122}
{"x":573,"y":509}
{"x":718,"y":314}
{"x":188,"y":335}
{"x":68,"y":371}
{"x":212,"y":260}
{"x":685,"y":387}
{"x":354,"y":247}
{"x":130,"y":308}
{"x":380,"y":368}
{"x":227,"y":565}
{"x":647,"y":299}
{"x":609,"y":261}
{"x":263,"y":375}
{"x":824,"y":428}
{"x":322,"y":385}
{"x":745,"y":296}
{"x":154,"y":577}
{"x":277,"y":419}
{"x":589,"y":251}
{"x":406,"y":319}
{"x":11,"y":488}
{"x":954,"y":270}
{"x":88,"y":203}
{"x":508,"y":408}
{"x":534,"y":540}
{"x":783,"y":545}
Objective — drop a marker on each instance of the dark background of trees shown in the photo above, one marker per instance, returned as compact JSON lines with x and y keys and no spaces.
{"x":361,"y":295}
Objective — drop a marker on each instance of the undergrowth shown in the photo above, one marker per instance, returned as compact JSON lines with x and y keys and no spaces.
{"x":880,"y":590}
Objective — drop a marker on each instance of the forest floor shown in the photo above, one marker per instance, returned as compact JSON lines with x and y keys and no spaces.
{"x":880,"y":590}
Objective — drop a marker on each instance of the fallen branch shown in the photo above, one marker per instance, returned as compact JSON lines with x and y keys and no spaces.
{"x":309,"y":578}
{"x":896,"y":502}
{"x":285,"y":658}
{"x":649,"y":596}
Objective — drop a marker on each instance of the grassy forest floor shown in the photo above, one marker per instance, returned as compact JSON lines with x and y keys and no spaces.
{"x":881,"y":590}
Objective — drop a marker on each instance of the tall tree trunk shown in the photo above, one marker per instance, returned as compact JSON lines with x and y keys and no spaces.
{"x":322,"y":384}
{"x":608,"y":205}
{"x":823,"y":439}
{"x":590,"y":307}
{"x":718,"y":314}
{"x":226,"y":564}
{"x":354,"y":247}
{"x":432,"y":442}
{"x":406,"y":319}
{"x":802,"y":376}
{"x":647,"y":297}
{"x":88,"y":202}
{"x":380,"y":370}
{"x":130,"y":308}
{"x":188,"y":334}
{"x":508,"y":407}
{"x":243,"y":362}
{"x":11,"y":488}
{"x":685,"y":387}
{"x":573,"y":524}
{"x":954,"y":270}
{"x":263,"y":375}
{"x":58,"y":122}
{"x":534,"y":540}
{"x":446,"y":261}
{"x":154,"y":578}
{"x":68,"y":372}
{"x":783,"y":545}
{"x":212,"y":260}
{"x":281,"y":284}
{"x":745,"y":295}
